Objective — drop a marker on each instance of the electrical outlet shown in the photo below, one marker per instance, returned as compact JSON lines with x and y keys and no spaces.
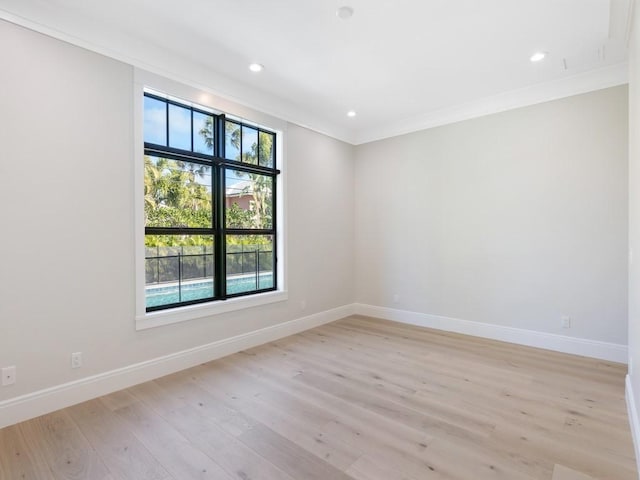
{"x":76,"y":360}
{"x":566,"y":322}
{"x":303,"y":304}
{"x":396,"y":298}
{"x":8,"y":375}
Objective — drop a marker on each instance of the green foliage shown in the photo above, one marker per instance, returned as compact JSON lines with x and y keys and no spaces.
{"x":238,"y":217}
{"x":261,"y":185}
{"x":206,"y":132}
{"x":178,"y":241}
{"x":175,"y":195}
{"x":178,"y":217}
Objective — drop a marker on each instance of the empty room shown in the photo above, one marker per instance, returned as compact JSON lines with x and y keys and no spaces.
{"x":313,"y":240}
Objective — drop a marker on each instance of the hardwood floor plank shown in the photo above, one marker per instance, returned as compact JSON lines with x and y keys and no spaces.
{"x":182,"y":458}
{"x":300,"y":422}
{"x":490,"y":351}
{"x":18,"y":461}
{"x":288,"y":456}
{"x":598,"y":462}
{"x":238,"y":460}
{"x":122,"y":453}
{"x":516,"y":465}
{"x":561,"y":472}
{"x":368,"y":400}
{"x":348,"y":423}
{"x":163,"y":399}
{"x":390,"y":387}
{"x":360,"y":399}
{"x":196,"y":423}
{"x":225,"y":415}
{"x":64,"y":448}
{"x":375,"y":468}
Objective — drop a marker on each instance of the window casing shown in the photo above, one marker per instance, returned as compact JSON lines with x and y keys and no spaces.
{"x":210,"y":206}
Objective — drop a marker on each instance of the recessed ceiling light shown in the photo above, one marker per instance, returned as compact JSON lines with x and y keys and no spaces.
{"x":344,"y":12}
{"x":256,"y":67}
{"x":536,"y":57}
{"x":351,"y":113}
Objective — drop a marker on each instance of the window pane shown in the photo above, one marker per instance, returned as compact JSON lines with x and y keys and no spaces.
{"x":178,"y":268}
{"x":266,"y":149}
{"x":176,"y":194}
{"x":250,"y":261}
{"x":249,"y":145}
{"x":155,"y":121}
{"x":232,"y":141}
{"x":179,"y":127}
{"x":203,"y":140}
{"x":248,"y":200}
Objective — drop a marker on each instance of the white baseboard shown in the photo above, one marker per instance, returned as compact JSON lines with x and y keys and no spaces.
{"x":549,"y":341}
{"x":31,"y":405}
{"x":634,"y":420}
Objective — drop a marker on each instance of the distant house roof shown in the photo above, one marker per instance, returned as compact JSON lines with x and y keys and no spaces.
{"x":240,"y":189}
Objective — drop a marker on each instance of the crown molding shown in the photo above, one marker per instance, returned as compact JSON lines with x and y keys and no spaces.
{"x":99,"y":39}
{"x":611,"y":76}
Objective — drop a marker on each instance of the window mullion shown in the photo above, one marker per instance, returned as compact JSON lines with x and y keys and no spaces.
{"x":219,"y":215}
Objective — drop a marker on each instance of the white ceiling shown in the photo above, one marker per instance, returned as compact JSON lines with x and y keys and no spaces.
{"x":401,"y":64}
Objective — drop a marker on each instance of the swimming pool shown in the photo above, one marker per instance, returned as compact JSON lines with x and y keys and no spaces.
{"x":165,"y":294}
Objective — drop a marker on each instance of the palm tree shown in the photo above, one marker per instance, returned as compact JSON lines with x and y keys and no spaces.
{"x":261,"y":185}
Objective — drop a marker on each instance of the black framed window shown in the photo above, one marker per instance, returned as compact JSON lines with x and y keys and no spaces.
{"x":209,"y":203}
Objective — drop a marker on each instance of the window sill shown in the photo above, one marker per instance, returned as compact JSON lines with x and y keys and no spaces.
{"x":191,"y":312}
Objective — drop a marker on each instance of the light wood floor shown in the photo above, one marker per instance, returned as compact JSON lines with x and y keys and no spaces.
{"x":356,"y":399}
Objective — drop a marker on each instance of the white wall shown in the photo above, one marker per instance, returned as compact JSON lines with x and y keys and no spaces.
{"x":513,"y":219}
{"x":633,"y":382}
{"x":66,"y":210}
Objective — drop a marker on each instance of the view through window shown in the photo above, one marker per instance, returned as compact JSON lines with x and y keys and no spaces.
{"x":209,"y":203}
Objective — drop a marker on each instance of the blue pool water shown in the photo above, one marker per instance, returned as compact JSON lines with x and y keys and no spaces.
{"x":162,"y":295}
